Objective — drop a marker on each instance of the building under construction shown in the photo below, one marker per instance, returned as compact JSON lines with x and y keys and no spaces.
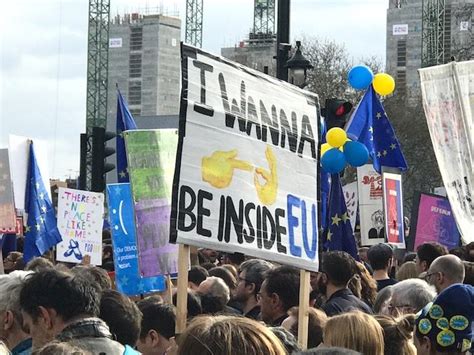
{"x":423,"y":33}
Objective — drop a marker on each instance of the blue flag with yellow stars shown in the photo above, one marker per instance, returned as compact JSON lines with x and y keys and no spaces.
{"x":339,"y":235}
{"x":125,"y":122}
{"x":41,"y":231}
{"x":370,"y":126}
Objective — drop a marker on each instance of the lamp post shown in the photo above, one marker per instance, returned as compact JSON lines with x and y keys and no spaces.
{"x":298,"y":66}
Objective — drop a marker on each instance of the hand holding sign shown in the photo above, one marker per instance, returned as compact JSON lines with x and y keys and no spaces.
{"x":267,"y":193}
{"x":218,"y":169}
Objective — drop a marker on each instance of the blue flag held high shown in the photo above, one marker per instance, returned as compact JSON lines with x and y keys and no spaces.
{"x":41,"y":232}
{"x":339,"y":234}
{"x":370,"y":126}
{"x":125,"y":122}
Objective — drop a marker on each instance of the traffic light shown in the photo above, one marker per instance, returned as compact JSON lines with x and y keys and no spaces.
{"x":336,"y":113}
{"x":100,"y":152}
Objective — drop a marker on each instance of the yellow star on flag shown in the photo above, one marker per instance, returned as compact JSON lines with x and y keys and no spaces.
{"x":379,"y":154}
{"x":378,"y":115}
{"x":329,"y":235}
{"x":123,"y":174}
{"x":345,"y":217}
{"x":335,"y":220}
{"x":384,"y":153}
{"x":43,"y":208}
{"x":27,"y":229}
{"x":371,"y":129}
{"x":41,"y":195}
{"x":38,"y":227}
{"x":393,"y":146}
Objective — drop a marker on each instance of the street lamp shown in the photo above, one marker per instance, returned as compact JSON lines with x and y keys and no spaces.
{"x":297,"y":66}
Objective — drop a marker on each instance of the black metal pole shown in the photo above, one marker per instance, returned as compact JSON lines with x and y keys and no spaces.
{"x":283,"y":37}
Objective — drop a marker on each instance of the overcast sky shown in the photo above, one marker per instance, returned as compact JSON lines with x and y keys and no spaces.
{"x":43,"y":46}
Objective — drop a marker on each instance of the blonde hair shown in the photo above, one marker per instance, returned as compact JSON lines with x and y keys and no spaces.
{"x":398,"y":334}
{"x":407,"y":271}
{"x":356,"y":331}
{"x":226,"y":335}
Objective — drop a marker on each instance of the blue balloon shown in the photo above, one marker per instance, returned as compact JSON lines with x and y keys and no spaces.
{"x":356,"y":153}
{"x":360,"y":77}
{"x":333,"y":161}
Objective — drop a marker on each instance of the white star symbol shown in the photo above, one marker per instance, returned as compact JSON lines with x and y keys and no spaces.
{"x":378,"y":115}
{"x":44,"y":209}
{"x":393,"y":146}
{"x":379,"y":154}
{"x":38,"y":227}
{"x":41,"y":195}
{"x":384,"y":153}
{"x":37,"y":185}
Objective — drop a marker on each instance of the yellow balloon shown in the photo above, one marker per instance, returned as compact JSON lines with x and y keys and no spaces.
{"x":336,"y":137}
{"x":324,"y":148}
{"x":383,"y":84}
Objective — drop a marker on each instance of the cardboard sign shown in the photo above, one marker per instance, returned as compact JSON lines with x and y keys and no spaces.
{"x":80,"y":219}
{"x":151,"y":156}
{"x":247,"y":163}
{"x":393,"y":208}
{"x":7,"y":204}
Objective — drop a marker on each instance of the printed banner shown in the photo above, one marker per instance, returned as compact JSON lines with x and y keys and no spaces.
{"x":372,"y":221}
{"x":434,"y":222}
{"x":151,"y":156}
{"x":7,"y":203}
{"x":247,"y":166}
{"x":80,"y":218}
{"x":447,"y":92}
{"x":121,"y":216}
{"x":352,"y":201}
{"x":393,"y":208}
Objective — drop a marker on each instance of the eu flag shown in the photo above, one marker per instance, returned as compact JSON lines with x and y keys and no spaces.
{"x":125,"y":122}
{"x":339,"y":235}
{"x":370,"y":126}
{"x":41,"y":231}
{"x":325,"y":181}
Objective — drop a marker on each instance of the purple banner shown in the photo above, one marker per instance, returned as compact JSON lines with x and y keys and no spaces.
{"x":156,"y":255}
{"x":435,"y":222}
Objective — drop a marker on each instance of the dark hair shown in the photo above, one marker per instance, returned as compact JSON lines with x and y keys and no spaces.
{"x":108,"y":249}
{"x":97,"y":276}
{"x":69,"y":295}
{"x":159,"y":317}
{"x":316,"y":322}
{"x":287,"y":339}
{"x":208,"y":265}
{"x":121,"y":315}
{"x":285,"y":282}
{"x":225,"y":275}
{"x":427,"y":252}
{"x":197,"y":274}
{"x":193,"y":304}
{"x":55,"y":348}
{"x":236,"y":258}
{"x":255,"y":270}
{"x":410,"y":256}
{"x":38,"y":264}
{"x":469,"y":273}
{"x":339,"y":267}
{"x":153,"y":299}
{"x":379,"y":256}
{"x":460,"y":252}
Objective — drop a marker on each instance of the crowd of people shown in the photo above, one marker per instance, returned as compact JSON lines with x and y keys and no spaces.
{"x":385,"y":303}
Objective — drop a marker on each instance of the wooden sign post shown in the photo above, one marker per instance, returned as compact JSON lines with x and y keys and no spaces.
{"x":303,"y":317}
{"x":182,"y":298}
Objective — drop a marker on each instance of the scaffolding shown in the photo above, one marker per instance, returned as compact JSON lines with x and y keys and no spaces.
{"x":433,"y":31}
{"x":194,"y":22}
{"x":263,"y":22}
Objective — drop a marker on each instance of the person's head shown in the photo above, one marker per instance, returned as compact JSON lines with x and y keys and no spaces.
{"x":355,"y":330}
{"x":368,"y":290}
{"x":225,"y":275}
{"x":38,"y":264}
{"x":11,"y":320}
{"x":337,"y":268}
{"x":323,"y":350}
{"x":96,"y":275}
{"x":410,"y":256}
{"x":445,"y":326}
{"x":121,"y":315}
{"x":445,"y":271}
{"x":50,"y":299}
{"x":279,"y":292}
{"x":410,"y":296}
{"x":363,"y":254}
{"x":382,"y":301}
{"x":209,"y":255}
{"x":316,"y":323}
{"x":250,"y":279}
{"x":460,"y":252}
{"x":426,"y":253}
{"x":233,"y":258}
{"x":380,"y":256}
{"x":468,"y":272}
{"x":407,"y":271}
{"x":214,"y":295}
{"x":193,"y":304}
{"x":228,"y":335}
{"x":62,"y":348}
{"x":287,"y":339}
{"x":398,"y":334}
{"x":107,"y":252}
{"x":196,"y":275}
{"x":153,"y":299}
{"x":157,"y":328}
{"x":9,"y":263}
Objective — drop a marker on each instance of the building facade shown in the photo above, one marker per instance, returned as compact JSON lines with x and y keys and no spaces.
{"x":404,"y":40}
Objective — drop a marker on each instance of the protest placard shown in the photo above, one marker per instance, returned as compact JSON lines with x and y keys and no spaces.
{"x":247,"y":163}
{"x":151,"y":156}
{"x":122,"y":222}
{"x":352,"y":201}
{"x":7,"y":204}
{"x":393,"y":209}
{"x":80,"y":219}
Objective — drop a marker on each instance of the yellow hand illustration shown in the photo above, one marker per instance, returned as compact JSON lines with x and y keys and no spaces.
{"x":218,"y":169}
{"x":267,"y":193}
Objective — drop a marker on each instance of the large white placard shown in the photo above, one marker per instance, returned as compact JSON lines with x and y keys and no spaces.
{"x":247,"y":165}
{"x":80,"y":220}
{"x":352,"y":201}
{"x":447,"y":92}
